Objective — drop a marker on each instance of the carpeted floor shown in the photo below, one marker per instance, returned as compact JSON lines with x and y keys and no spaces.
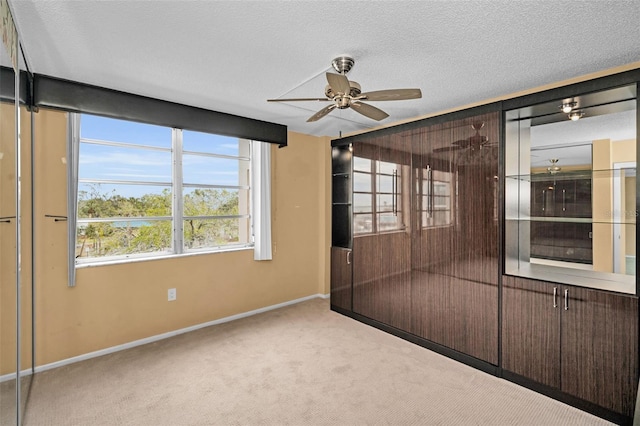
{"x":299,"y":365}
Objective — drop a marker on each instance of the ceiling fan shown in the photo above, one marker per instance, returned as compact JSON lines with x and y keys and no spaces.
{"x":475,"y":142}
{"x":348,"y":94}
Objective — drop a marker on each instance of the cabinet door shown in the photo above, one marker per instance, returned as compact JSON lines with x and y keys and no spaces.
{"x":531,"y":330}
{"x":600,"y":348}
{"x":341,"y":277}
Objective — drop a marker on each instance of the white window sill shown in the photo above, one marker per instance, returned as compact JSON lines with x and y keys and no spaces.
{"x":152,"y":257}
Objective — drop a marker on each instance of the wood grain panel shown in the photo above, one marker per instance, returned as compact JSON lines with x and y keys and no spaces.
{"x":455,"y":277}
{"x":474,"y":323}
{"x":366,"y":272}
{"x":531,"y":330}
{"x":600,"y":348}
{"x":341,"y":278}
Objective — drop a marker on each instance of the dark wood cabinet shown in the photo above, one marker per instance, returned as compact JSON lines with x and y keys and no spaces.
{"x":341,"y":277}
{"x":599,"y":355}
{"x":580,"y":341}
{"x":531,"y":330}
{"x":382,"y":247}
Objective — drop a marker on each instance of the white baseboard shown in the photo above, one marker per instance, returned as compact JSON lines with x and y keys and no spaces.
{"x":162,"y":336}
{"x":12,"y":376}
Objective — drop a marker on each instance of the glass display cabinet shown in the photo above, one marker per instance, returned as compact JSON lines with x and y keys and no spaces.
{"x":570,"y":190}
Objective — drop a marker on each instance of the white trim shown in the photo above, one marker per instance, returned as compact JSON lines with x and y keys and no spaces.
{"x":162,"y":336}
{"x":324,"y":296}
{"x":12,"y":376}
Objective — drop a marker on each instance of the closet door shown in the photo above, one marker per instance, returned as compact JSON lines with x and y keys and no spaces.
{"x":382,"y":243}
{"x":393,"y":206}
{"x":367,"y":255}
{"x":531,"y":329}
{"x":454,"y":285}
{"x":599,"y":355}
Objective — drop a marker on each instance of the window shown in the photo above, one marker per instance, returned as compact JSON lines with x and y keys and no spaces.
{"x":148,"y":190}
{"x":435,"y":188}
{"x":377,"y":190}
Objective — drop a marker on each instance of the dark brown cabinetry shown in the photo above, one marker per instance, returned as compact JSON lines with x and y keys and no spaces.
{"x":580,"y":341}
{"x":382,"y":240}
{"x":341,"y":277}
{"x":341,"y":210}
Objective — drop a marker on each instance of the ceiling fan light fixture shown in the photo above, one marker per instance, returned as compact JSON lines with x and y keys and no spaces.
{"x":554,"y":168}
{"x":567,"y":107}
{"x":576,"y":115}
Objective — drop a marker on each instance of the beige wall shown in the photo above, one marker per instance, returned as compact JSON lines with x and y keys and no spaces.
{"x":605,"y":154}
{"x":116,"y":304}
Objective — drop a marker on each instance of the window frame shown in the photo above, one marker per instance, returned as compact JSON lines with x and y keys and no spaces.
{"x":428,"y":180}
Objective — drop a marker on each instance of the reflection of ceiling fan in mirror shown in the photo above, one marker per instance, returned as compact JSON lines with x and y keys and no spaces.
{"x":475,"y":142}
{"x":347,"y":94}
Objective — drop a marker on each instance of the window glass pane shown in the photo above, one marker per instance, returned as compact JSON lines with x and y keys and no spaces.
{"x":385,"y":184}
{"x":385,"y":203}
{"x":214,"y":144}
{"x":361,"y":164}
{"x":425,"y":202}
{"x":123,"y":163}
{"x":386,"y":168}
{"x":362,"y":223}
{"x":122,"y":238}
{"x":102,"y":200}
{"x":197,"y":169}
{"x":211,"y":233}
{"x":215,"y":202}
{"x":441,"y":188}
{"x":441,"y":203}
{"x":441,"y":218}
{"x":109,"y":129}
{"x":389,"y":222}
{"x":361,"y":182}
{"x":362,"y":203}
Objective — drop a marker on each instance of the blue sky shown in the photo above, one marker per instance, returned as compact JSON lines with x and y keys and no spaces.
{"x":132,"y":164}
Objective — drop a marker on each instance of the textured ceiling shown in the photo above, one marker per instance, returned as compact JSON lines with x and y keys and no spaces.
{"x":232,"y":56}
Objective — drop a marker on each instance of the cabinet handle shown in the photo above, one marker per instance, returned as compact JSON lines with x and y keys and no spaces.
{"x":564,"y":201}
{"x":348,"y":258}
{"x":555,"y":297}
{"x":395,"y":193}
{"x":566,"y":300}
{"x":544,"y":198}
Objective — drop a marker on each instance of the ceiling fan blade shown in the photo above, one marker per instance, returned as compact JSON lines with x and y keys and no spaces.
{"x":448,"y":149}
{"x":392,"y":95}
{"x":462,"y":143}
{"x":339,"y":83}
{"x":369,"y":111}
{"x":298,"y":99}
{"x":324,"y":111}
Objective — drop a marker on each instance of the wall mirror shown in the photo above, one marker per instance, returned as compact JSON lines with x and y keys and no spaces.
{"x":570,"y":190}
{"x":16,"y":344}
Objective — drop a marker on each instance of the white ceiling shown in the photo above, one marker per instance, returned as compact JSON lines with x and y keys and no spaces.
{"x":231,"y":56}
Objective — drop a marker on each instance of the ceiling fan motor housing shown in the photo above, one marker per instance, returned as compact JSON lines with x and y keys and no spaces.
{"x":355,"y":90}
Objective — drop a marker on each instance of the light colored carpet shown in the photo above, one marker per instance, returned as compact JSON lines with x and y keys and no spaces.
{"x":299,"y":365}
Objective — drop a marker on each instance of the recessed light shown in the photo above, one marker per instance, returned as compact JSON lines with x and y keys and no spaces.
{"x":567,"y":107}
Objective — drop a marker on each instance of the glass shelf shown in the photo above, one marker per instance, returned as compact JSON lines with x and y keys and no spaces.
{"x":574,"y":175}
{"x":629,"y":221}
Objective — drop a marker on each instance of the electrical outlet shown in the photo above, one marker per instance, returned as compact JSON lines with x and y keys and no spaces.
{"x":171,"y":294}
